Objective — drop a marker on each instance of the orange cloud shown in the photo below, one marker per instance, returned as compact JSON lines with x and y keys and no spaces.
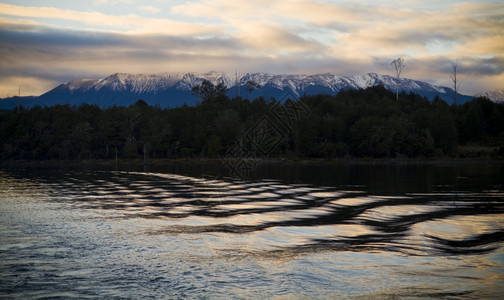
{"x":124,"y":23}
{"x":302,"y":36}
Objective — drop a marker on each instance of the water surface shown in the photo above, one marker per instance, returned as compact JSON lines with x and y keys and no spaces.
{"x":321,"y":231}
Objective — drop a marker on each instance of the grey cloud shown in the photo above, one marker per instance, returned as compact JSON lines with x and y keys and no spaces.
{"x":60,"y":56}
{"x":47,"y":37}
{"x":469,"y":65}
{"x":484,"y":66}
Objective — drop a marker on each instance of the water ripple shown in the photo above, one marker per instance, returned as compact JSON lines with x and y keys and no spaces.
{"x":287,"y":217}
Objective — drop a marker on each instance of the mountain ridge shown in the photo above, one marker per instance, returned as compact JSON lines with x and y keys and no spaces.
{"x":174,"y":89}
{"x":496,"y":95}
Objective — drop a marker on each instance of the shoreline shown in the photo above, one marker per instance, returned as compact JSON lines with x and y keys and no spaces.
{"x":76,"y":163}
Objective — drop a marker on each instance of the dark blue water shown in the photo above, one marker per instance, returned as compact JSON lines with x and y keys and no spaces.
{"x":307,"y":231}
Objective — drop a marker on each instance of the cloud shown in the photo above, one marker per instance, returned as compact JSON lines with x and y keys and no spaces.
{"x":100,"y":2}
{"x":149,"y":9}
{"x":484,"y":66}
{"x":60,"y":55}
{"x":275,"y":40}
{"x":418,"y":31}
{"x":122,"y":23}
{"x":361,"y":30}
{"x":26,"y":85}
{"x":289,"y":36}
{"x":112,"y":2}
{"x":319,"y":13}
{"x":474,"y":73}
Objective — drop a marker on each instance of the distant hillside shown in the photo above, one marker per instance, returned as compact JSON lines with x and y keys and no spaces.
{"x":174,"y":89}
{"x":13,"y":102}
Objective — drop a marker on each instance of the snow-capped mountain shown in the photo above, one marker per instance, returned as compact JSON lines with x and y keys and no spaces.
{"x":496,"y":96}
{"x":331,"y":84}
{"x":174,"y":89}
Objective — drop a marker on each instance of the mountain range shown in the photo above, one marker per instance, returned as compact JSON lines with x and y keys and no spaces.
{"x":497,"y":96}
{"x":174,"y":89}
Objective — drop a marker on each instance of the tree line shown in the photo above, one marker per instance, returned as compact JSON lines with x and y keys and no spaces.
{"x":354,"y":123}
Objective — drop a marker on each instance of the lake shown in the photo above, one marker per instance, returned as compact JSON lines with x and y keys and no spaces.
{"x":290,"y":231}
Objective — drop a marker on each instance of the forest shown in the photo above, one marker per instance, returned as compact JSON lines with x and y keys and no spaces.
{"x":368,"y":123}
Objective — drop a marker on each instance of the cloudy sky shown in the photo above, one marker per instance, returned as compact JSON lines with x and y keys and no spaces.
{"x":48,"y":42}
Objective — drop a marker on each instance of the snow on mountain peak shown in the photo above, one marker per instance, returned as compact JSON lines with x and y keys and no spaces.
{"x":145,"y":83}
{"x":176,"y":87}
{"x":496,"y":96}
{"x":138,"y":83}
{"x":152,"y":83}
{"x":80,"y":84}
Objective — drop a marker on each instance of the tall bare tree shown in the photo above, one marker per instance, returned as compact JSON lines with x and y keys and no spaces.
{"x":398,"y":65}
{"x":251,"y":86}
{"x":456,"y":84}
{"x":19,"y":99}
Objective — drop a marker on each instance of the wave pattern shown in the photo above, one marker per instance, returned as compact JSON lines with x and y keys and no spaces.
{"x":292,"y":217}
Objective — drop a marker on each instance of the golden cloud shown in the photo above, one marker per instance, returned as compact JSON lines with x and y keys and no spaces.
{"x":124,"y":23}
{"x":271,"y":36}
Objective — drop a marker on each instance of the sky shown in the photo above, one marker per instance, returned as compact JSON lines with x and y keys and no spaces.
{"x":49,"y":42}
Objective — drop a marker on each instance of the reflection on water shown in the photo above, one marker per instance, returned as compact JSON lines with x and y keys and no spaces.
{"x":136,"y":234}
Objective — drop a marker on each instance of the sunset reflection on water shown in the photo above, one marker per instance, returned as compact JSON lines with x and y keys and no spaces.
{"x":227,"y":237}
